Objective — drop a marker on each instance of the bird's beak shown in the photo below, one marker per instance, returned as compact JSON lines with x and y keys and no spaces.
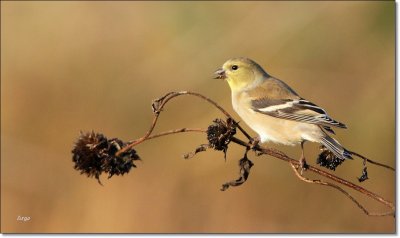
{"x":220,"y":74}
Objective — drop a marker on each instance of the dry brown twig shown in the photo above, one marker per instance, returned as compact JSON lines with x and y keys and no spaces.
{"x":159,"y":104}
{"x":315,"y":181}
{"x":246,"y":164}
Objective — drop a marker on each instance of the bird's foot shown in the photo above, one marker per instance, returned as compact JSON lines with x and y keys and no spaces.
{"x":303,"y":165}
{"x":253,"y":143}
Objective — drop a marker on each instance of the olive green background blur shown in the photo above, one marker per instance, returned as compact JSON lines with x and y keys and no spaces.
{"x":72,"y":66}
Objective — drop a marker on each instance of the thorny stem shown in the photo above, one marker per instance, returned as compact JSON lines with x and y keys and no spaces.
{"x":159,"y":104}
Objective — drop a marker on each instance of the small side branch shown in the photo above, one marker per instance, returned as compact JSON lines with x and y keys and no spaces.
{"x":158,"y":106}
{"x":373,"y":162}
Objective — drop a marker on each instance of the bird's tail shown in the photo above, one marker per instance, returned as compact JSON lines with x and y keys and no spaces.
{"x":335,"y":147}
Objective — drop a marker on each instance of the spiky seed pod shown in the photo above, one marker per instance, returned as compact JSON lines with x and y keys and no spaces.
{"x":94,"y":154}
{"x":220,"y":133}
{"x":328,"y":160}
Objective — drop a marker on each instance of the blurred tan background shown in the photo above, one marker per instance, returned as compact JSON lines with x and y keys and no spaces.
{"x":72,"y":66}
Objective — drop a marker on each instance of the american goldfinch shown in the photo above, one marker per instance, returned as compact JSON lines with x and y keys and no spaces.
{"x":275,"y":111}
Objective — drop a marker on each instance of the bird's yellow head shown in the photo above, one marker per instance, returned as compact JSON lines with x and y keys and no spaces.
{"x":240,"y":73}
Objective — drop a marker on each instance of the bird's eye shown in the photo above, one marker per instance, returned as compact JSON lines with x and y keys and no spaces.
{"x":234,"y":67}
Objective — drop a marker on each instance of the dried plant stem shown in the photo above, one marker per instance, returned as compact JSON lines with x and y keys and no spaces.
{"x":339,"y":189}
{"x":372,"y":162}
{"x":159,"y":104}
{"x":176,"y":131}
{"x":282,"y":156}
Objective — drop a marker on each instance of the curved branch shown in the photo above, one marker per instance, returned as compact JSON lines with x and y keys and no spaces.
{"x":282,"y":156}
{"x":159,"y":104}
{"x":339,"y":189}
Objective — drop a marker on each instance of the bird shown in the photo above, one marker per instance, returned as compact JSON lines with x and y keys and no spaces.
{"x":275,"y":111}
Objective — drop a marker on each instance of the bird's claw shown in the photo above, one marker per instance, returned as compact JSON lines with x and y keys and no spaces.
{"x":253,"y":143}
{"x":303,"y":165}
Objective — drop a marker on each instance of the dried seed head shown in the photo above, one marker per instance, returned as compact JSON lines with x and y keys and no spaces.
{"x":328,"y":160}
{"x":220,"y":133}
{"x":94,"y":154}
